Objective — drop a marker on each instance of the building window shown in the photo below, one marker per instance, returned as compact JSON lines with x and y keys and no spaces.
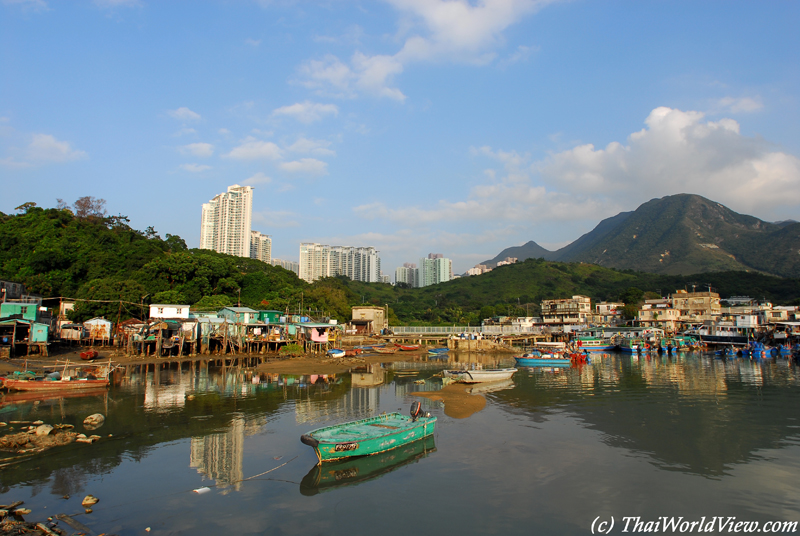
{"x":178,"y":311}
{"x":161,"y":310}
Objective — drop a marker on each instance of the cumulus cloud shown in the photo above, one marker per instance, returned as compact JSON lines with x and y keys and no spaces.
{"x":258,"y":178}
{"x":317,"y":147}
{"x":676,"y":152}
{"x":307,"y":112}
{"x":194,"y":168}
{"x":305,"y":166}
{"x":46,"y":148}
{"x":681,"y":152}
{"x":435,"y":30}
{"x":255,"y":149}
{"x":184,"y":114}
{"x":203,"y":150}
{"x":739,"y":105}
{"x":32,"y":5}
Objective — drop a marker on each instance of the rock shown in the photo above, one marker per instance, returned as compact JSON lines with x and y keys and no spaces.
{"x":89,"y":500}
{"x":43,"y":430}
{"x":81,"y":436}
{"x":83,"y":440}
{"x":38,"y":423}
{"x":94,"y":421}
{"x":3,"y":513}
{"x":22,"y":511}
{"x":88,"y":510}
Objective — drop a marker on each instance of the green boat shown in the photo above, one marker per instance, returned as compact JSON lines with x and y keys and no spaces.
{"x":354,"y":471}
{"x":369,"y":436}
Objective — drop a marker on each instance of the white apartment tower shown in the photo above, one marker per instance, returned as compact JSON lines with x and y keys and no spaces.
{"x":225,"y":223}
{"x":320,"y":260}
{"x":261,"y":247}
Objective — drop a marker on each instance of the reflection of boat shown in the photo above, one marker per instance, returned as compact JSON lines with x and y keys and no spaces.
{"x":39,"y":396}
{"x":369,"y":436}
{"x":356,"y":470}
{"x":438,"y":351}
{"x":490,"y":387}
{"x":477,"y":376}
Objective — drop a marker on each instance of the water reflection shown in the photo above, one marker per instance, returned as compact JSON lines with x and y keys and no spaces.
{"x":595,"y":432}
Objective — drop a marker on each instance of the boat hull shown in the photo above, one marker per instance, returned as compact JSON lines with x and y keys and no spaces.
{"x":478,"y":376}
{"x":367,"y":436}
{"x":58,"y":385}
{"x":542,"y":362}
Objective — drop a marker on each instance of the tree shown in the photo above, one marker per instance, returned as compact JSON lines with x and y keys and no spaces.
{"x":25,"y":207}
{"x":89,"y":207}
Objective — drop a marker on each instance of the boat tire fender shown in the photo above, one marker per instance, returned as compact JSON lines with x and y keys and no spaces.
{"x":308,"y":440}
{"x":416,"y":411}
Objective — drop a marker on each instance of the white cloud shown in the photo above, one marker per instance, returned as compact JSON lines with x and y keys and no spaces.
{"x":45,"y":148}
{"x":254,"y":149}
{"x":258,"y":178}
{"x":307,"y":166}
{"x":316,"y":147}
{"x":680,"y":152}
{"x":117,"y":3}
{"x":185,"y":132}
{"x":195,"y":168}
{"x":739,"y":105}
{"x":184,"y":114}
{"x":307,"y":112}
{"x":677,"y":152}
{"x":203,"y":150}
{"x":33,"y":5}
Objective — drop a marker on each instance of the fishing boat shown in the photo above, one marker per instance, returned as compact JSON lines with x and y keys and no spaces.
{"x":336,"y":352}
{"x":385,"y":350}
{"x":594,"y":344}
{"x":408,"y":347}
{"x":631,"y":346}
{"x":354,"y":471}
{"x":370,"y":436}
{"x":535,"y":358}
{"x":477,"y":376}
{"x":63,"y":384}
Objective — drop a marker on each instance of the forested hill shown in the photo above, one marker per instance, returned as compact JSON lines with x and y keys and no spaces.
{"x":60,"y":252}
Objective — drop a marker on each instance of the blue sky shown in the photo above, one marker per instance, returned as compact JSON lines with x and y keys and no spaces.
{"x":414,"y":126}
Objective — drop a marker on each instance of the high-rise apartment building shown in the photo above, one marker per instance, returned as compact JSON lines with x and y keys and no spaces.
{"x":225,"y":223}
{"x":261,"y":247}
{"x":357,"y":263}
{"x":434,"y":269}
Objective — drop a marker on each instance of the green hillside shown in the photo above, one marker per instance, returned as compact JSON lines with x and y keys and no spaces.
{"x":116,"y":271}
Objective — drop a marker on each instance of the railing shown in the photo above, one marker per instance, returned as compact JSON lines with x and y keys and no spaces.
{"x":455,"y":330}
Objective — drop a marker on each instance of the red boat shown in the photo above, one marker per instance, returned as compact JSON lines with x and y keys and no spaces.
{"x":88,"y":355}
{"x":53,"y":385}
{"x":408,"y":347}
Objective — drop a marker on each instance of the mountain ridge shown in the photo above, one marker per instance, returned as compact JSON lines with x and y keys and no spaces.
{"x":680,"y":234}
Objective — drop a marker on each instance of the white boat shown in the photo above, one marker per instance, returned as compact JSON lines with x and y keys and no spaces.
{"x":477,"y":376}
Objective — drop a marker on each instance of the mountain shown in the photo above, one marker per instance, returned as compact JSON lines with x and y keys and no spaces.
{"x":685,"y":234}
{"x":531,"y":250}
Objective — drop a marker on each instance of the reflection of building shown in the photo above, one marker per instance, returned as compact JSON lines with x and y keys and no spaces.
{"x":356,"y":403}
{"x":220,"y":456}
{"x":368,"y":376}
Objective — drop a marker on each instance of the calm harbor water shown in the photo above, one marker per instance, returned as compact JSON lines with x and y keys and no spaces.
{"x":687,"y":436}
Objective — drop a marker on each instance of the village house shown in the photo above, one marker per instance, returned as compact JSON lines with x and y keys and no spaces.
{"x":368,"y":319}
{"x":170,"y":311}
{"x":659,"y":313}
{"x":575,"y":310}
{"x":696,"y":307}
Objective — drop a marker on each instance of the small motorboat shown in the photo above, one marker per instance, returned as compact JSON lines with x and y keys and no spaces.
{"x":336,"y":352}
{"x":385,"y":349}
{"x":370,"y":436}
{"x":477,"y":376}
{"x":535,"y":358}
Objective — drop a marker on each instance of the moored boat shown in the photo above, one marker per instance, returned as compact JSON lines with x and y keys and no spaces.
{"x":336,"y":352}
{"x":535,"y":358}
{"x":477,"y":376}
{"x":385,"y":350}
{"x":594,"y":344}
{"x":369,"y":436}
{"x":408,"y":347}
{"x":55,"y":385}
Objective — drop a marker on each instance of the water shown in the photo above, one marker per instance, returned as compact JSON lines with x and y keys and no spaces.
{"x":687,"y":436}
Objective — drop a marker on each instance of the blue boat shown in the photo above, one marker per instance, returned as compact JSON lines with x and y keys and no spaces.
{"x":336,"y":352}
{"x":536,"y":358}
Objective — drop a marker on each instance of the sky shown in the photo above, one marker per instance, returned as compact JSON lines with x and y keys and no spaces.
{"x":413,"y":126}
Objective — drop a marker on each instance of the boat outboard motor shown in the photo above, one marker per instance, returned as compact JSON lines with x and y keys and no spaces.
{"x":416,"y":411}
